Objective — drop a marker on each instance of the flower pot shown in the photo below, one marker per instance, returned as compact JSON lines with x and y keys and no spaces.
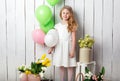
{"x":23,"y":77}
{"x":84,"y":55}
{"x":32,"y":77}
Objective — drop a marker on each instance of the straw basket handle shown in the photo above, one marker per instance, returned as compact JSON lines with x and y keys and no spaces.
{"x":79,"y":74}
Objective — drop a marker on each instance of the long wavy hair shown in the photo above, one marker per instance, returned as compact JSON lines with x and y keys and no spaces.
{"x":72,"y":25}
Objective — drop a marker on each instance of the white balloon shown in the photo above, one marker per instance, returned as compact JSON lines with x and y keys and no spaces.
{"x":52,"y":31}
{"x":51,"y":38}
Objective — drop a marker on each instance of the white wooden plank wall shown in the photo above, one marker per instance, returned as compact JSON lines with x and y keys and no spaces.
{"x":11,"y":40}
{"x":116,"y":39}
{"x":3,"y":42}
{"x":107,"y":36}
{"x":99,"y":18}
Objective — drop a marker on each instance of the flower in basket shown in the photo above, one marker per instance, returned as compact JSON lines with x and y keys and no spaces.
{"x":23,"y":73}
{"x":86,"y":42}
{"x":92,"y":77}
{"x":24,"y":69}
{"x":36,"y":68}
{"x":40,"y":65}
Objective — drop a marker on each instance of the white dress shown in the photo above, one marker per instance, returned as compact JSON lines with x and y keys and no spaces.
{"x":63,"y":47}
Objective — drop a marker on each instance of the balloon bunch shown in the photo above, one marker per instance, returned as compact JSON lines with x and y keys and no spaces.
{"x":44,"y":16}
{"x":53,"y":2}
{"x":50,"y":39}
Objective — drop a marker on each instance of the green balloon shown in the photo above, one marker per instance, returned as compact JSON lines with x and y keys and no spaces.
{"x":43,"y":14}
{"x":48,"y":26}
{"x":52,"y":2}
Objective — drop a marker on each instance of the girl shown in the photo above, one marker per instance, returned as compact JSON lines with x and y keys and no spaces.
{"x":64,"y":55}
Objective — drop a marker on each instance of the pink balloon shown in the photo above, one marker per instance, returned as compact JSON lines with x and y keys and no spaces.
{"x":38,"y":36}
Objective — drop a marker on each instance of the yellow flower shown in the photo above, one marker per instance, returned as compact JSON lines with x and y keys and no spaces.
{"x":46,"y":61}
{"x":48,"y":64}
{"x":27,"y":72}
{"x":43,"y":57}
{"x":43,"y":63}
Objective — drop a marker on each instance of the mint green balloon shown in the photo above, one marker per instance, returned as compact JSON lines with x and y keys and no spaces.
{"x":48,"y":26}
{"x":52,"y":2}
{"x":43,"y":14}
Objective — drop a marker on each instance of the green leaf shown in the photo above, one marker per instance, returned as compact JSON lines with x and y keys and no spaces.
{"x":103,"y":70}
{"x":86,"y":70}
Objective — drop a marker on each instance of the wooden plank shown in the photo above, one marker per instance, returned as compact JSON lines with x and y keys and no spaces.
{"x":88,"y":20}
{"x":20,"y":34}
{"x":79,"y":16}
{"x":3,"y":54}
{"x":107,"y":36}
{"x":70,"y":3}
{"x":11,"y":39}
{"x":30,"y":17}
{"x":98,"y":17}
{"x":116,"y":40}
{"x":88,"y":28}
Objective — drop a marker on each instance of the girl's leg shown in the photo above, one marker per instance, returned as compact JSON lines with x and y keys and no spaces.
{"x":70,"y":73}
{"x":62,"y":72}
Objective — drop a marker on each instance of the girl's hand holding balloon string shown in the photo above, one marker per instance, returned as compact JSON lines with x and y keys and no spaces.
{"x":51,"y":50}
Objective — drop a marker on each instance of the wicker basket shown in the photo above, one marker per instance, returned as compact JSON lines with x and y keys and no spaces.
{"x":32,"y":77}
{"x":84,"y":55}
{"x":23,"y":77}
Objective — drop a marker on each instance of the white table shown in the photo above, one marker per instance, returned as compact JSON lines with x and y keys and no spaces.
{"x":80,"y":68}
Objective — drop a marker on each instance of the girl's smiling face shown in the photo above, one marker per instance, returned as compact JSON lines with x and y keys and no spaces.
{"x":65,"y":15}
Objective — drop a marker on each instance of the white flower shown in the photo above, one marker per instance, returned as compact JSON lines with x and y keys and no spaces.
{"x":90,"y":73}
{"x":41,"y":74}
{"x":102,"y":76}
{"x":44,"y":68}
{"x":88,"y":76}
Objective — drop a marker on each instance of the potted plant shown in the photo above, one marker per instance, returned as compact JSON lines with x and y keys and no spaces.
{"x":85,"y":45}
{"x":36,"y":68}
{"x":89,"y":76}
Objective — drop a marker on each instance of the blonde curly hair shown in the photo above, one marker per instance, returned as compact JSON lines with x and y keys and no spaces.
{"x":72,"y":25}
